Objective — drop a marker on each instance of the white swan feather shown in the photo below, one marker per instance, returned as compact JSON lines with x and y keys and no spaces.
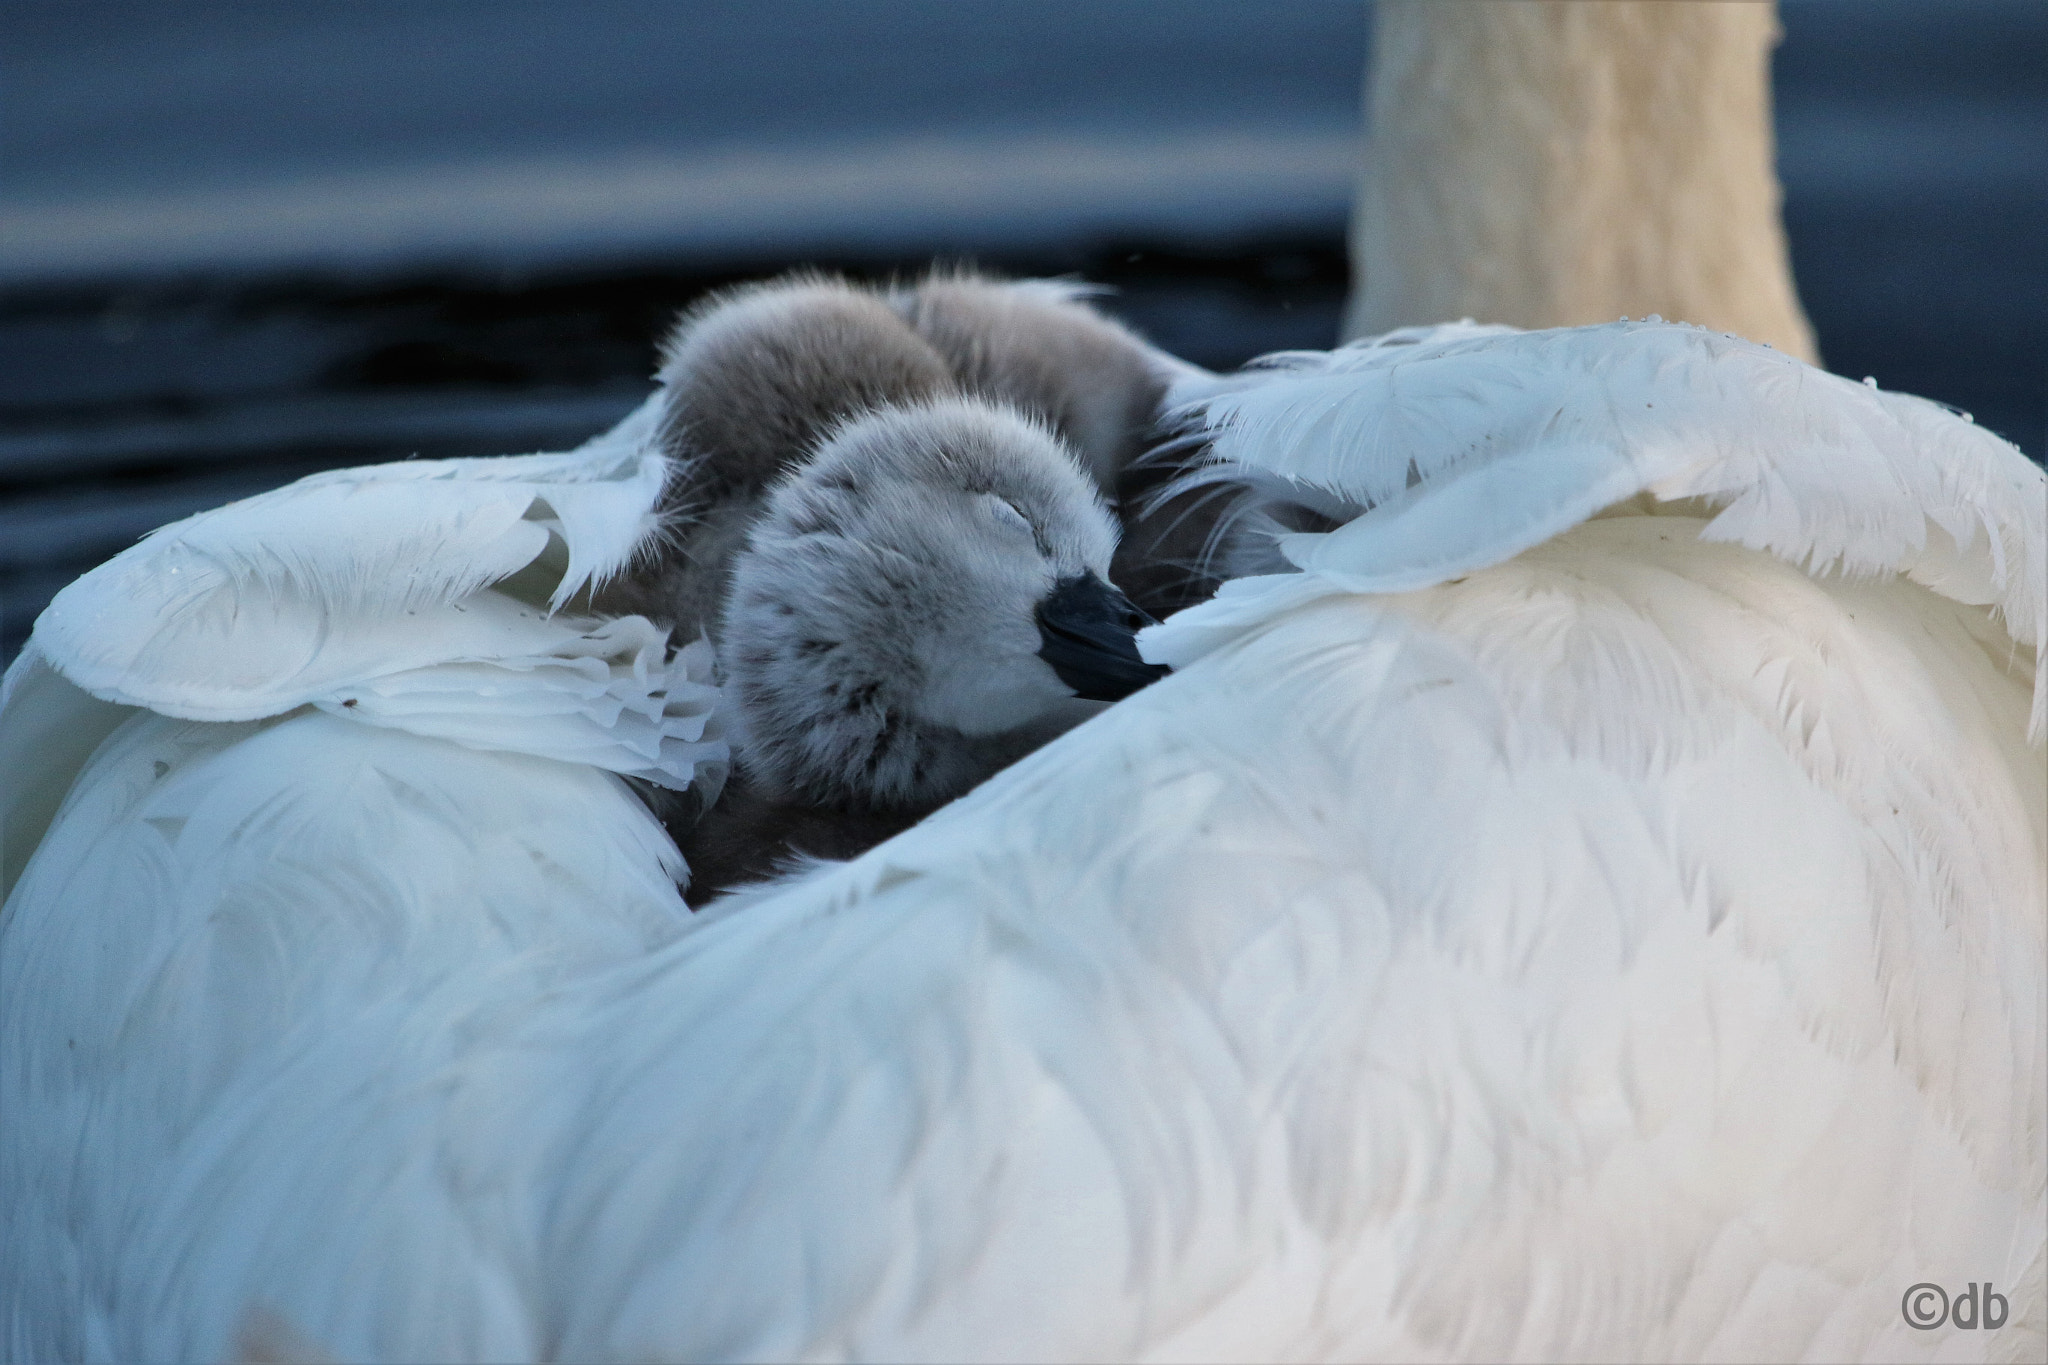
{"x":1466,"y":445}
{"x":279,"y":599}
{"x":1626,"y":944}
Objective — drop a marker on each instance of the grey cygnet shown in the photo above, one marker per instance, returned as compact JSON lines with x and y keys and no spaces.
{"x":756,"y":376}
{"x":1038,"y":347}
{"x":901,"y":561}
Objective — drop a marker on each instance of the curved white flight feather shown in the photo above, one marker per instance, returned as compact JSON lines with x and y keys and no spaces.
{"x":1466,"y":445}
{"x":366,"y":592}
{"x":280,"y":599}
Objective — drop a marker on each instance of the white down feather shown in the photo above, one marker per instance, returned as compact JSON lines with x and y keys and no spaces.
{"x":1622,"y":940}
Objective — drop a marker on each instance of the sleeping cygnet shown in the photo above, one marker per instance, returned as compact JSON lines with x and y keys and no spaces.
{"x":1037,"y":346}
{"x":754,"y":377}
{"x":920,"y":604}
{"x":1022,"y":378}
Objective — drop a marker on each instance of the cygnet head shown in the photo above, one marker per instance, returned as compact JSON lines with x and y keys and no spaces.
{"x":922,"y":602}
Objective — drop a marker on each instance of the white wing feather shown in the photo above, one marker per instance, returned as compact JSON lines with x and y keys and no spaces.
{"x":1470,"y":444}
{"x":279,"y":599}
{"x":367,"y":593}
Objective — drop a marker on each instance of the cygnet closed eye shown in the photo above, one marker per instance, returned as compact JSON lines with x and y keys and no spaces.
{"x":923,"y":601}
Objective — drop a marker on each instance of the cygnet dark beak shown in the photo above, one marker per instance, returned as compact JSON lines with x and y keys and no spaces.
{"x":1087,"y":628}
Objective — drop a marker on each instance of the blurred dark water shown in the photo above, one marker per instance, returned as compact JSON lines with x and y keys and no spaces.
{"x":241,"y":243}
{"x":1913,"y":143}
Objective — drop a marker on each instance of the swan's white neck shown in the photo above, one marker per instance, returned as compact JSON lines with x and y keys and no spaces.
{"x":1545,"y":164}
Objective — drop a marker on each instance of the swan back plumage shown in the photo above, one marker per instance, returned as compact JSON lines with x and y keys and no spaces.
{"x":1626,"y":943}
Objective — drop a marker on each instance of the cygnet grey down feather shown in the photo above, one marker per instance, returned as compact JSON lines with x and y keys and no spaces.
{"x":873,"y":494}
{"x":754,"y":378}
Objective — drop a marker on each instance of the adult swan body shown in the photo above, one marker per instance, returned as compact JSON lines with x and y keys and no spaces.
{"x":1591,"y":908}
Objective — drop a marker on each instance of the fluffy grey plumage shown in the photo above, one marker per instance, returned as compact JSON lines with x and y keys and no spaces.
{"x":880,"y":634}
{"x":1174,"y":537}
{"x":1189,"y":524}
{"x":875,"y":494}
{"x":755,"y":377}
{"x":1037,"y":347}
{"x":881,"y":640}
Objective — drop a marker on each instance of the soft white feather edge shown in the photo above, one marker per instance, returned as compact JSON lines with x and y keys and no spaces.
{"x":359,"y":592}
{"x":1471,"y":444}
{"x":275,"y":601}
